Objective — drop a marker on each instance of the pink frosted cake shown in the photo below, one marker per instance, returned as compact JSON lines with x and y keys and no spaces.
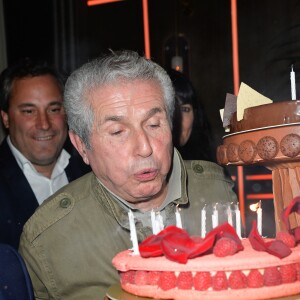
{"x":223,"y":267}
{"x":241,"y":276}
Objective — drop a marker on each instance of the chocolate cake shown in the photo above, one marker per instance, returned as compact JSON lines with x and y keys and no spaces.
{"x":268,"y":135}
{"x":278,"y":113}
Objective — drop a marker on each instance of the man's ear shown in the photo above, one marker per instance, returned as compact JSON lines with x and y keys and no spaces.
{"x":79,"y":145}
{"x":5,"y":119}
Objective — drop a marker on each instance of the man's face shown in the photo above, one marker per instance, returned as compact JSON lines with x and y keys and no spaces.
{"x":131,"y":143}
{"x":36,"y":120}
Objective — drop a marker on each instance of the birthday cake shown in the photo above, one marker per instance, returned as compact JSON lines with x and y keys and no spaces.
{"x":265,"y":133}
{"x":278,"y":113}
{"x":245,"y":273}
{"x":259,"y":131}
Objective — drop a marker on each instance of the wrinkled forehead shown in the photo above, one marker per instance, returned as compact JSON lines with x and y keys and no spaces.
{"x":130,"y":101}
{"x":126,"y":93}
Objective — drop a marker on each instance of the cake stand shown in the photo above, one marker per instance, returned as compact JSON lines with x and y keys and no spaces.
{"x":278,"y":149}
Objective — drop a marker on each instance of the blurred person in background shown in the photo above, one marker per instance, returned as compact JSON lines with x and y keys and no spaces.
{"x":191,"y":129}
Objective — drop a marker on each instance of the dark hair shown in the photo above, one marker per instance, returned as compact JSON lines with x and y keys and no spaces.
{"x":24,"y":67}
{"x":200,"y":143}
{"x":184,"y":89}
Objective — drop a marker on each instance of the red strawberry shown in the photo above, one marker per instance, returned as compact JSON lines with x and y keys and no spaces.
{"x":237,"y":280}
{"x":141,"y":277}
{"x":288,"y":273}
{"x":202,"y":281}
{"x":167,"y":281}
{"x":127,"y":277}
{"x":224,"y":247}
{"x":286,"y":238}
{"x":272,"y":276}
{"x":297,"y":266}
{"x":219,"y":281}
{"x":153,"y":277}
{"x":185,"y":280}
{"x":255,"y":279}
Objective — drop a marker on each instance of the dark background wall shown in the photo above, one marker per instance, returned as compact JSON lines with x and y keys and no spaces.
{"x":69,"y":33}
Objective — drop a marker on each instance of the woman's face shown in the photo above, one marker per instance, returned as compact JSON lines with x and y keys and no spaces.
{"x":187,"y":119}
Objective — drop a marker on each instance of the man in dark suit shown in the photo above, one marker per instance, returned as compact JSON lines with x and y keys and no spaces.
{"x":36,"y":158}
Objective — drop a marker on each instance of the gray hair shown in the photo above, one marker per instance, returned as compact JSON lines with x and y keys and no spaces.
{"x":122,"y":65}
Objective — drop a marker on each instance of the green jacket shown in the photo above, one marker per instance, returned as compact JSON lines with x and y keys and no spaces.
{"x":69,"y":243}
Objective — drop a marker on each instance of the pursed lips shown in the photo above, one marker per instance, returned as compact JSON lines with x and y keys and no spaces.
{"x":146,"y":175}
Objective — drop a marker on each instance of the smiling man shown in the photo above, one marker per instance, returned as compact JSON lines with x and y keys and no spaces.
{"x":119,"y":110}
{"x":33,"y":163}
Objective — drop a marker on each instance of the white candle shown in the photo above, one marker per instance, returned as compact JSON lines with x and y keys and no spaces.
{"x":238,"y":221}
{"x":229,"y":215}
{"x":259,"y":218}
{"x":160,"y":221}
{"x":215,"y":218}
{"x":178,"y":218}
{"x":153,"y":222}
{"x":133,"y":235}
{"x":293,"y":84}
{"x":203,"y":222}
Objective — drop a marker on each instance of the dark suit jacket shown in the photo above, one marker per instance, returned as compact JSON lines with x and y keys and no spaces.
{"x":15,"y":282}
{"x":17,"y":200}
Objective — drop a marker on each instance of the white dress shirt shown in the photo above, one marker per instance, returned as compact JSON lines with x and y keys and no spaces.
{"x":42,"y":186}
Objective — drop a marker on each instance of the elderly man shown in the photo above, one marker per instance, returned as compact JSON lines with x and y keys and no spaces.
{"x":34,"y":162}
{"x":119,"y":110}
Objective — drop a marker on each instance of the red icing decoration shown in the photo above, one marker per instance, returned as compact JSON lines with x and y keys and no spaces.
{"x":277,"y":248}
{"x":151,"y":246}
{"x":177,"y":245}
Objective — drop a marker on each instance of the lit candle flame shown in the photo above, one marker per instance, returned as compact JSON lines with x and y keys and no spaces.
{"x":255,"y":206}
